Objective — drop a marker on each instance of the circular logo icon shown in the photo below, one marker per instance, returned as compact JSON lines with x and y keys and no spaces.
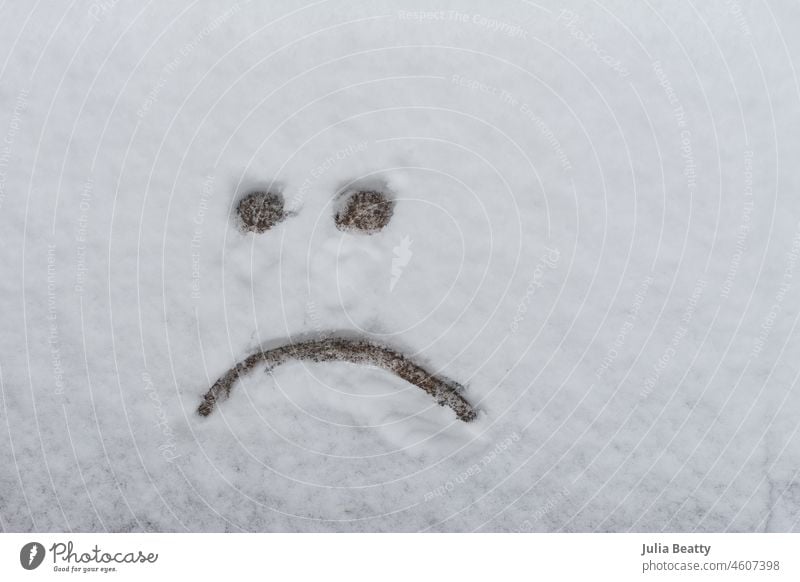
{"x":31,"y":555}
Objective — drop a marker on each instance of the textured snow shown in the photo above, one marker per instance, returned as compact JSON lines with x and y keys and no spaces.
{"x":596,"y":231}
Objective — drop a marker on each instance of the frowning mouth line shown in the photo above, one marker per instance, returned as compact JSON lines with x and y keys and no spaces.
{"x":446,"y":392}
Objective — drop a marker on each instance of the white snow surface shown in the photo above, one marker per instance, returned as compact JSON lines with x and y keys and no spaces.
{"x":596,"y":232}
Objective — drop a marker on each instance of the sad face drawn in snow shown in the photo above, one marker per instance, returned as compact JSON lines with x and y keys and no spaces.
{"x":304,"y":274}
{"x":358,"y":211}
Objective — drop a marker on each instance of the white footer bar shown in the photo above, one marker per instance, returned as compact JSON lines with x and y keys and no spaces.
{"x":406,"y":557}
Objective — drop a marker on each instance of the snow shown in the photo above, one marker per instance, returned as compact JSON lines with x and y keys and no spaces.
{"x":596,"y":231}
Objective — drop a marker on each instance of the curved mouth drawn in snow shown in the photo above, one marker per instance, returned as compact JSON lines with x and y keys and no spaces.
{"x":446,"y":392}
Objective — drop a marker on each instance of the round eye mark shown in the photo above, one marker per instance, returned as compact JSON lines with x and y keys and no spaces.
{"x":260,"y":211}
{"x":367,"y":211}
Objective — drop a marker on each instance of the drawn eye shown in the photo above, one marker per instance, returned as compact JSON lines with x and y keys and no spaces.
{"x":367,"y":211}
{"x":260,"y":211}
